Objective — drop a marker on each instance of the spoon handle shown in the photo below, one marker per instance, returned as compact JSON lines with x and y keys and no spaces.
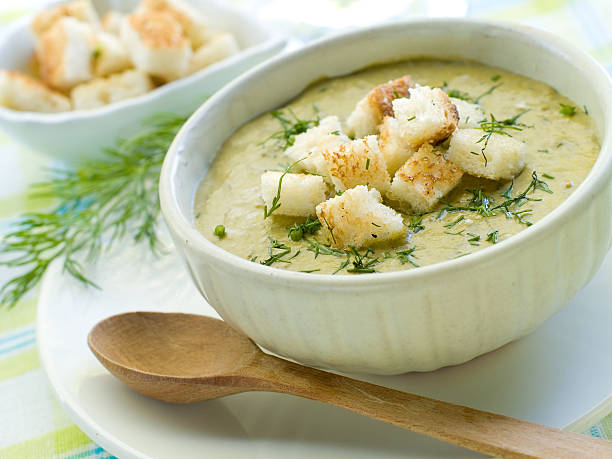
{"x":477,"y":430}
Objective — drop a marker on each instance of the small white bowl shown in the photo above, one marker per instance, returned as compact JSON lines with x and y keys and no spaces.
{"x":419,"y":319}
{"x":77,"y":135}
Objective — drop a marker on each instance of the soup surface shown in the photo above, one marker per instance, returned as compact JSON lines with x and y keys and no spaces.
{"x":561,"y":147}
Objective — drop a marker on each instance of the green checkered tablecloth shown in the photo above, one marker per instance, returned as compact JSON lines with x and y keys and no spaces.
{"x":32,"y":424}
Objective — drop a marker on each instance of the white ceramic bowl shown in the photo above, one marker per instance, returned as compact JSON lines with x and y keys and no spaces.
{"x":420,"y":319}
{"x":77,"y":135}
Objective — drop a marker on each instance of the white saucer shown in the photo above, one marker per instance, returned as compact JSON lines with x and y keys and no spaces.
{"x":560,"y":376}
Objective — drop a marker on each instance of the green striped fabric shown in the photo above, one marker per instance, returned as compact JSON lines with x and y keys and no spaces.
{"x":32,"y":424}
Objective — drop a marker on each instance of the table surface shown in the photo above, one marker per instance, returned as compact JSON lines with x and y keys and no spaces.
{"x":32,"y":424}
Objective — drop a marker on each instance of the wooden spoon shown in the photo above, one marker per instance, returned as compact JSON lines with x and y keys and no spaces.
{"x":185,"y":358}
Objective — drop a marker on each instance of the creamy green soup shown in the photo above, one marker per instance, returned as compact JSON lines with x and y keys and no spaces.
{"x":561,"y":148}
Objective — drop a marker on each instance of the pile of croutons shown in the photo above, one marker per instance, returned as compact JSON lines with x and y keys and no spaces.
{"x":84,"y":62}
{"x":412,"y":144}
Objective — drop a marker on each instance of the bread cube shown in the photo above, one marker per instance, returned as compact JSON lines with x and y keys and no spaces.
{"x":377,"y":104}
{"x":21,"y":92}
{"x":428,"y":116}
{"x":81,"y":10}
{"x":395,"y":149}
{"x":424,"y":179}
{"x":469,"y":114}
{"x":193,"y":23}
{"x":111,"y":22}
{"x":65,"y":53}
{"x":300,"y":193}
{"x":358,"y":218}
{"x":156,"y":44}
{"x":310,"y":145}
{"x":358,"y":162}
{"x":503,"y":159}
{"x":104,"y":91}
{"x":109,"y":55}
{"x":219,"y":47}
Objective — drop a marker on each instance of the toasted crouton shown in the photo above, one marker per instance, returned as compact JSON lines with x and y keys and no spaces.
{"x":111,"y":22}
{"x":81,"y":10}
{"x":424,"y":179}
{"x":65,"y":53}
{"x":194,"y":24}
{"x":469,"y":114}
{"x":393,"y":146}
{"x":109,"y":55}
{"x":219,"y":47}
{"x":308,"y":147}
{"x":503,"y":158}
{"x":156,"y":44}
{"x":428,"y":116}
{"x":300,"y":193}
{"x":358,"y":218}
{"x":21,"y":92}
{"x":103,"y":91}
{"x":377,"y":104}
{"x":358,"y":162}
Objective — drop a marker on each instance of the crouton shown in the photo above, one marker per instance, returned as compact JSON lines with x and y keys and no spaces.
{"x":156,"y":44}
{"x":377,"y":104}
{"x":65,"y":53}
{"x":81,"y":10}
{"x":300,"y":193}
{"x":428,"y":116}
{"x":358,"y":162}
{"x":103,"y":91}
{"x":219,"y":47}
{"x":503,"y":158}
{"x":111,"y":22}
{"x":469,"y":114}
{"x":309,"y":146}
{"x":109,"y":55}
{"x":358,"y":218}
{"x":424,"y":179}
{"x":21,"y":92}
{"x":395,"y":149}
{"x":194,"y":24}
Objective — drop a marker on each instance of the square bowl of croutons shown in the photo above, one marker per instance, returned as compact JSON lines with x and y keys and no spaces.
{"x":80,"y":74}
{"x":398,"y":198}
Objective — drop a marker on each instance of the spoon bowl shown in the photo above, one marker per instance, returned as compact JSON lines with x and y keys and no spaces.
{"x":186,"y":358}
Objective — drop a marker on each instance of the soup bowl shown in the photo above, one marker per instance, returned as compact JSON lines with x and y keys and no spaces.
{"x":419,"y":319}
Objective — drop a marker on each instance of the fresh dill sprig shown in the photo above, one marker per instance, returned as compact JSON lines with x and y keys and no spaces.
{"x":493,"y":237}
{"x":415,"y":223}
{"x":275,"y":201}
{"x":297,"y":232}
{"x":291,"y":126}
{"x":455,"y":93}
{"x":362,"y":263}
{"x":318,"y":248}
{"x":501,"y":127}
{"x":407,"y":256}
{"x":567,"y":110}
{"x":277,"y":251}
{"x":99,"y":203}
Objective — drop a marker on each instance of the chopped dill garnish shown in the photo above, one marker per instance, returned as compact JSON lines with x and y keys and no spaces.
{"x":275,"y":201}
{"x":416,"y":223}
{"x":322,"y":249}
{"x":486,"y":93}
{"x":493,"y":236}
{"x":548,"y":176}
{"x":291,"y":126}
{"x":451,"y":225}
{"x":198,"y":215}
{"x":543,"y":151}
{"x":586,"y":110}
{"x":406,"y":256}
{"x":362,"y":263}
{"x":335,"y":132}
{"x":495,"y":77}
{"x":310,"y":270}
{"x":297,"y":232}
{"x":329,"y":228}
{"x":473,"y":239}
{"x":219,"y":231}
{"x":567,"y":110}
{"x":411,"y":118}
{"x":367,"y":163}
{"x":277,"y":252}
{"x":98,"y":204}
{"x":465,"y":96}
{"x":494,"y":126}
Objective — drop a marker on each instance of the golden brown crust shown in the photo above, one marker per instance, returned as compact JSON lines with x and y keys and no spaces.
{"x":381,"y":97}
{"x":430,"y":170}
{"x":50,"y":51}
{"x":451,"y":114}
{"x":157,"y":30}
{"x":164,"y":7}
{"x":44,"y":21}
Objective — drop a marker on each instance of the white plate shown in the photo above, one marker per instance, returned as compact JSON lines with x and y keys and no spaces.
{"x":560,"y":376}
